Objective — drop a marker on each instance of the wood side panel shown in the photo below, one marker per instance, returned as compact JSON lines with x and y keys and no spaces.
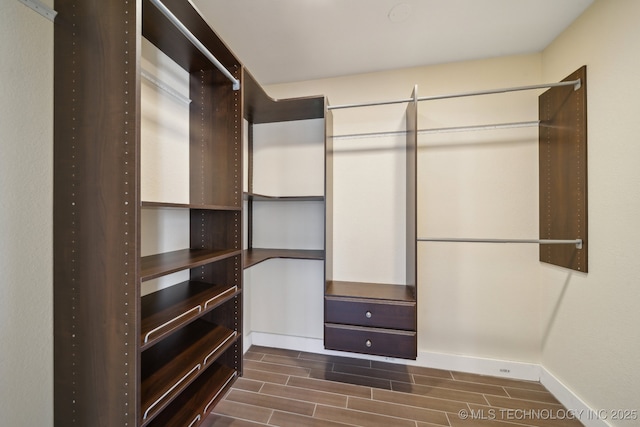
{"x":328,"y":194}
{"x":96,"y":212}
{"x":411,"y":188}
{"x":563,"y":173}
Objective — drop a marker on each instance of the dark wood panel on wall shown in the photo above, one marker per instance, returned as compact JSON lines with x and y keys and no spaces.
{"x":563,"y":172}
{"x":96,"y":185}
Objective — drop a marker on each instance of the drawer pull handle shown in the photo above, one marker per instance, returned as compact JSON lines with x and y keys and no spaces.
{"x":367,"y":315}
{"x":368,"y":343}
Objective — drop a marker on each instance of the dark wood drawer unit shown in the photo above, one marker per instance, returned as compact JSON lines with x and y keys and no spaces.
{"x":376,"y":341}
{"x":367,"y":312}
{"x":371,"y":318}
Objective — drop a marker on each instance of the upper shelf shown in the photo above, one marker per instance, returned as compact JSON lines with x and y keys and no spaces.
{"x":261,"y":108}
{"x":264,"y":198}
{"x":160,"y":205}
{"x":255,"y":256}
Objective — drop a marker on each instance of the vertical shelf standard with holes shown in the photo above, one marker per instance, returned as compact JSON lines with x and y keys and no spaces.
{"x":122,"y":358}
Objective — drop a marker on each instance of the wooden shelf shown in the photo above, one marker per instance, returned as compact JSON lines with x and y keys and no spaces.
{"x":166,"y":310}
{"x":162,"y":205}
{"x":265,"y":198}
{"x":370,"y":290}
{"x":195,"y":403}
{"x":154,"y":266}
{"x":176,"y":361}
{"x":255,"y":256}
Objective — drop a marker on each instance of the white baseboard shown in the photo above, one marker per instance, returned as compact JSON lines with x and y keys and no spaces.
{"x":450,"y":362}
{"x":588,"y":416}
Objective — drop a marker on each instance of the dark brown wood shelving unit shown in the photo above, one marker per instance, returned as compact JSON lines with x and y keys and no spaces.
{"x":374,"y":318}
{"x":122,"y":358}
{"x":260,"y":108}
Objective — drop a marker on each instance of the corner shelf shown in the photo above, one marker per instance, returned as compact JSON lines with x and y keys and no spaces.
{"x":262,"y":109}
{"x":255,"y":256}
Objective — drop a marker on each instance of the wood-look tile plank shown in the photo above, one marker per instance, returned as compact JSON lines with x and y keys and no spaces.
{"x":215,"y":420}
{"x":244,"y":383}
{"x":243,"y":411}
{"x":460,"y":385}
{"x":351,"y":379}
{"x":275,"y":351}
{"x":419,"y":401}
{"x":398,"y":411}
{"x":456,"y":421}
{"x":335,"y":359}
{"x":373,"y":373}
{"x":531,"y":412}
{"x":301,"y":363}
{"x":330,"y":386}
{"x":421,"y":424}
{"x":440,"y":393}
{"x":505,"y":402}
{"x":267,"y":377}
{"x":250,"y":355}
{"x":271,"y":402}
{"x":285,"y":419}
{"x":410,"y":369}
{"x":357,"y":418}
{"x":276,"y":368}
{"x":505,"y":382}
{"x":538,"y":396}
{"x":535,"y":418}
{"x":314,"y":396}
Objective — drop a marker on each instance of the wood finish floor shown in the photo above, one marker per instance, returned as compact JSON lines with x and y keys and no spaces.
{"x":297,"y":389}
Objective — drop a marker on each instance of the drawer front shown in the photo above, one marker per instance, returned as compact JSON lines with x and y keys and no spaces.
{"x":373,"y":313}
{"x":375,"y":341}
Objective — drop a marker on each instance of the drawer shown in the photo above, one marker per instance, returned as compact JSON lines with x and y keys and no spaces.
{"x":375,"y":341}
{"x":374,"y":313}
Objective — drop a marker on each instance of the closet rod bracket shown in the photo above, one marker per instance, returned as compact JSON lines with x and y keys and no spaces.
{"x":41,"y":8}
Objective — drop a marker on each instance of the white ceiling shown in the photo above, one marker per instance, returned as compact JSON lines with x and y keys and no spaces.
{"x":293,"y":40}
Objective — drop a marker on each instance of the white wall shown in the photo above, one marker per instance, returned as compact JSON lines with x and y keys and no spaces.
{"x":474,"y":300}
{"x":590,"y":323}
{"x":26,"y":223}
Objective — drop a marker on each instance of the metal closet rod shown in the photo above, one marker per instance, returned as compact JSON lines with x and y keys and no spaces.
{"x":467,"y":128}
{"x":575,"y":83}
{"x":577,"y":242}
{"x":194,"y":40}
{"x":164,"y":86}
